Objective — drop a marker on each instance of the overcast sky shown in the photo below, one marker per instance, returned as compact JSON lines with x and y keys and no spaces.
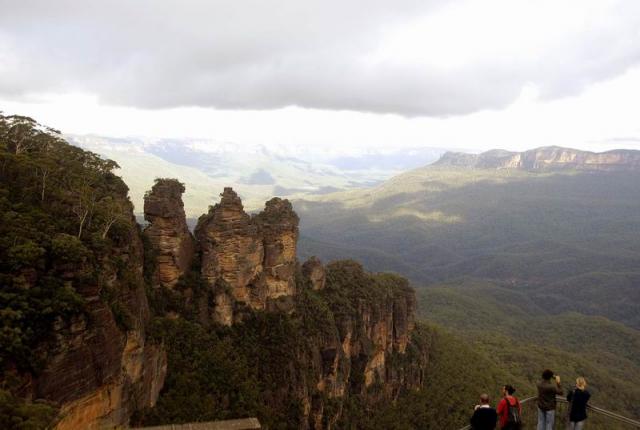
{"x":349,"y":74}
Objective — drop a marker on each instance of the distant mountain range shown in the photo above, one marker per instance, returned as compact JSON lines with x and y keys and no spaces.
{"x":255,"y":171}
{"x":551,"y":221}
{"x":550,"y":157}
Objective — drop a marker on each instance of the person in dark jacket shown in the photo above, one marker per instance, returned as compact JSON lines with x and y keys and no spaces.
{"x":484,"y":417}
{"x":508,"y":401}
{"x":578,"y":398}
{"x":548,"y":388}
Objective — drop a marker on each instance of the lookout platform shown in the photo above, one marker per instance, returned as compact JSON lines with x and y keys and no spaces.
{"x":241,"y":424}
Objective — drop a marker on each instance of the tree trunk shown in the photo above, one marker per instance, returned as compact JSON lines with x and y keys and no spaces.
{"x":44,"y":184}
{"x":82,"y":220}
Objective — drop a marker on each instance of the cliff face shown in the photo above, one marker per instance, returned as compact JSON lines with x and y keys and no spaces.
{"x":168,"y":232}
{"x":362,"y":352}
{"x":550,"y":158}
{"x":371,"y":341}
{"x":247,"y":261}
{"x":100,"y":367}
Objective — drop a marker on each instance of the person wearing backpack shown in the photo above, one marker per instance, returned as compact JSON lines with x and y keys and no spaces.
{"x":548,"y":388}
{"x":578,"y":399}
{"x":484,"y":416}
{"x":509,"y":410}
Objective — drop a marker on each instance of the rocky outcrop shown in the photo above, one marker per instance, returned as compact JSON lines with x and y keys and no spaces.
{"x":278,"y":228}
{"x":247,"y":261}
{"x":314,"y":272}
{"x":546,"y":158}
{"x":167,"y":231}
{"x":370,"y":354}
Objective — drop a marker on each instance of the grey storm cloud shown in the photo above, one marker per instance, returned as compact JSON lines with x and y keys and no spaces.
{"x":259,"y":54}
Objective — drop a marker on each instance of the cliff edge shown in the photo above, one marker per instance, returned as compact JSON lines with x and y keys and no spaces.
{"x":545,"y":158}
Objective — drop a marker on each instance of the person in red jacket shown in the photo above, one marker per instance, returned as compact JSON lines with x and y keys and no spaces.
{"x":509,"y":410}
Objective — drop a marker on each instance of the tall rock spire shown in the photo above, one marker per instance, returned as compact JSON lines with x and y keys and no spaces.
{"x":168,"y":233}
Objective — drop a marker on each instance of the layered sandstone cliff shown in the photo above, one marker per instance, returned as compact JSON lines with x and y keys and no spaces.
{"x":247,"y":261}
{"x":552,"y":157}
{"x":367,"y":356}
{"x":168,"y":232}
{"x":99,"y":367}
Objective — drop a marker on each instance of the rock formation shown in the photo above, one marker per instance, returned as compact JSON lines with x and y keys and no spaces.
{"x":313,"y":270}
{"x":79,"y":310}
{"x":370,"y":344}
{"x":100,"y":366}
{"x":278,"y":227}
{"x":247,"y":260}
{"x":167,"y":231}
{"x":546,"y":158}
{"x":101,"y":372}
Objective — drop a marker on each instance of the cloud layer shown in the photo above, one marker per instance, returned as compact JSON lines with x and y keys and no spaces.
{"x":425,"y":58}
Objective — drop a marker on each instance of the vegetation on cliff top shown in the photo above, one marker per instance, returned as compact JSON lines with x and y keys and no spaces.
{"x":62,"y":214}
{"x":61,"y":210}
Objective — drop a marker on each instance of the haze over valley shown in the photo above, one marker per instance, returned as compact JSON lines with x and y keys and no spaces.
{"x":257,"y":172}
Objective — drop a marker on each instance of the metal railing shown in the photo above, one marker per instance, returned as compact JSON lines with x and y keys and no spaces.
{"x":601,"y":411}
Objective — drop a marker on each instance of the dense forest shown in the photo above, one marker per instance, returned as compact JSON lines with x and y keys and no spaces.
{"x":533,"y":268}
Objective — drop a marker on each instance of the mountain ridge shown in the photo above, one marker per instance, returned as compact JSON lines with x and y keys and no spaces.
{"x":544,"y":158}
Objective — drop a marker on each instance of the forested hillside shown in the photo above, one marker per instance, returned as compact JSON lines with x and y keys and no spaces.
{"x":534,"y":268}
{"x":568,"y":239}
{"x":523,"y":338}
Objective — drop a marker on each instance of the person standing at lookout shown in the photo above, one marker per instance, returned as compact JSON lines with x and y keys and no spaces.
{"x":548,"y":389}
{"x":578,"y":399}
{"x":509,"y":410}
{"x":484,"y":416}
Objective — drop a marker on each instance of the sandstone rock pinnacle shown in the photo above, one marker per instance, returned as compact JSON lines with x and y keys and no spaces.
{"x":167,"y":231}
{"x":247,"y":260}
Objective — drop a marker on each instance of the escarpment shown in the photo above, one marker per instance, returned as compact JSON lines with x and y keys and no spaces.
{"x":347,"y":333}
{"x":101,"y":367}
{"x":75,"y":316}
{"x":546,"y":158}
{"x":370,"y":356}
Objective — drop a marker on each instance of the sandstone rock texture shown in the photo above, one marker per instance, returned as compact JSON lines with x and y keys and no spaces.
{"x":167,"y":231}
{"x":247,"y":260}
{"x":370,"y":346}
{"x":103,"y":366}
{"x":99,"y":366}
{"x":546,"y":158}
